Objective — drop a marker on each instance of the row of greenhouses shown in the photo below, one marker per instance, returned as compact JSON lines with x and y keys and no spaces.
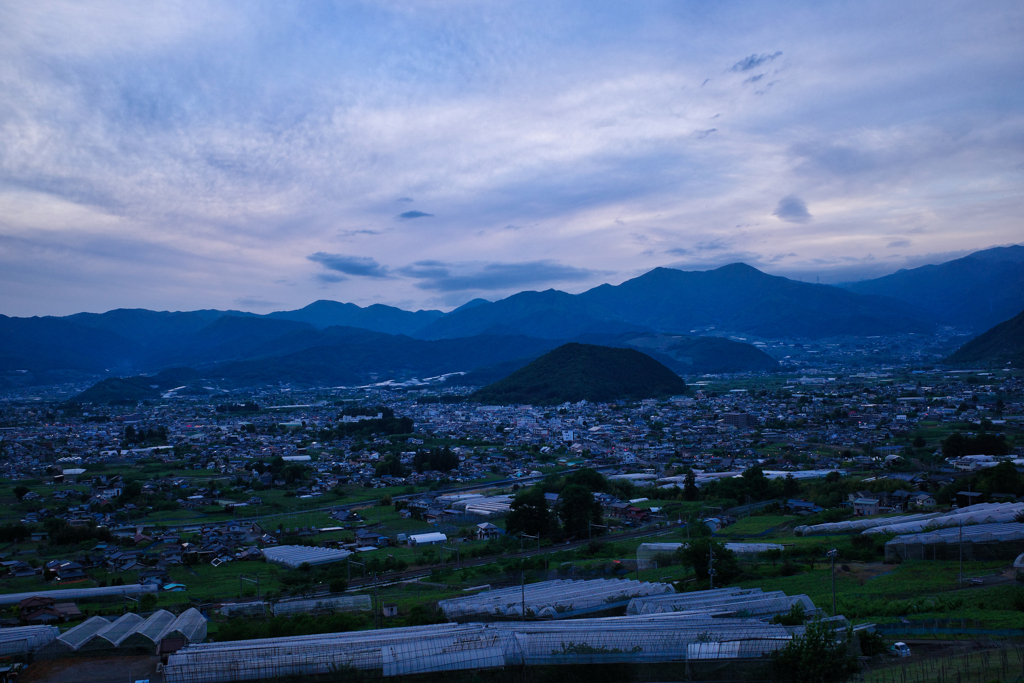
{"x":643,"y":639}
{"x":647,"y":553}
{"x":559,"y":599}
{"x":733,"y":602}
{"x":983,"y":513}
{"x":324,"y":605}
{"x":24,"y":640}
{"x":129,"y":632}
{"x":973,"y":542}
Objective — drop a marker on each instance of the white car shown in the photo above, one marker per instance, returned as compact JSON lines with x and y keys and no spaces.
{"x":900,"y":649}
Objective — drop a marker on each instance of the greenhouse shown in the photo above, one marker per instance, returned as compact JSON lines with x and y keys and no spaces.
{"x":974,"y":542}
{"x":647,"y":553}
{"x":904,"y":524}
{"x":293,"y":556}
{"x":752,"y":603}
{"x":984,"y":513}
{"x":190,"y":626}
{"x":558,"y":599}
{"x":112,"y":635}
{"x":145,"y":635}
{"x":74,"y":638}
{"x":77,"y":593}
{"x":659,"y":639}
{"x":23,"y":640}
{"x":489,"y":507}
{"x":340,"y":603}
{"x":257,"y":608}
{"x":859,"y":524}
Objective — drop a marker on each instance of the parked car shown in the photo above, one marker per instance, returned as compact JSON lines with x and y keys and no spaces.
{"x":900,"y":650}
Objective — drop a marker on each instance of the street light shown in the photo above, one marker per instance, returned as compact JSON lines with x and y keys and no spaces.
{"x":832,"y":554}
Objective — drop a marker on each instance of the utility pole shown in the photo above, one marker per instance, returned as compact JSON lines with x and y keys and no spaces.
{"x":711,"y":568}
{"x":832,"y":556}
{"x":522,"y":607}
{"x":960,"y":546}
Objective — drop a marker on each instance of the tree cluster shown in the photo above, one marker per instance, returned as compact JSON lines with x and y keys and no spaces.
{"x":439,"y":459}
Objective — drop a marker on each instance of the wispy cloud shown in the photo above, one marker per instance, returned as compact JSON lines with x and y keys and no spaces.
{"x":207,"y":152}
{"x":434,"y":275}
{"x":256,"y":302}
{"x":407,"y":215}
{"x":359,"y":266}
{"x":754,"y":61}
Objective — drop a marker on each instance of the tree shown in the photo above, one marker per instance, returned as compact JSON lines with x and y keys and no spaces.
{"x":578,"y":510}
{"x":20,"y":491}
{"x":690,"y":486}
{"x":790,"y":486}
{"x":391,"y":465}
{"x":529,"y":514}
{"x":591,"y":479}
{"x":697,"y":555}
{"x":818,"y":656}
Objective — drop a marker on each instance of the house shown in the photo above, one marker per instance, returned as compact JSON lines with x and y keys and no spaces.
{"x":366,"y":539}
{"x":486,"y":531}
{"x":802,"y":507}
{"x":924,"y":502}
{"x":864,"y":507}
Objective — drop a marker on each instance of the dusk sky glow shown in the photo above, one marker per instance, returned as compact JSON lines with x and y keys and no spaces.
{"x":263,"y":155}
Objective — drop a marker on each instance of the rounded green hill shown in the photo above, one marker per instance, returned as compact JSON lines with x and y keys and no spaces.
{"x":576,"y":372}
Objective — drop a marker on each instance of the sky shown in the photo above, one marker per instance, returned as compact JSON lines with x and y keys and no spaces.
{"x":262,"y":155}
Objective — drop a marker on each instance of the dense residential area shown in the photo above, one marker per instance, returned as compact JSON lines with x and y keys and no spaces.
{"x":881,"y":497}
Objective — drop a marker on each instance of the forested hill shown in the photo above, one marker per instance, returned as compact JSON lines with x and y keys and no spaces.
{"x":1002,"y":344}
{"x":575,"y":372}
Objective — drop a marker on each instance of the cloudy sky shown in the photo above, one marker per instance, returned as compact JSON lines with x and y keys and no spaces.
{"x":262,"y":155}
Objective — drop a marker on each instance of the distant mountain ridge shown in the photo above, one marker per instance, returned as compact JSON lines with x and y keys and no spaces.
{"x":735,"y":298}
{"x":671,"y":315}
{"x":974,"y":292}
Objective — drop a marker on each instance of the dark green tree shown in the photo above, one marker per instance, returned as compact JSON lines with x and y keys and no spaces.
{"x":820,"y":655}
{"x":697,"y":554}
{"x":391,"y":465}
{"x":577,"y":510}
{"x":529,"y":514}
{"x":790,"y":486}
{"x":690,"y":486}
{"x":591,"y":479}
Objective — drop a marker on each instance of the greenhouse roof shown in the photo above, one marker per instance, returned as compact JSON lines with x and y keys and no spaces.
{"x":550,"y":599}
{"x":985,"y":513}
{"x":26,"y":639}
{"x":118,"y":630}
{"x":978,"y":533}
{"x":75,"y":593}
{"x":340,"y":603}
{"x":295,"y":555}
{"x":453,"y":647}
{"x":79,"y":635}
